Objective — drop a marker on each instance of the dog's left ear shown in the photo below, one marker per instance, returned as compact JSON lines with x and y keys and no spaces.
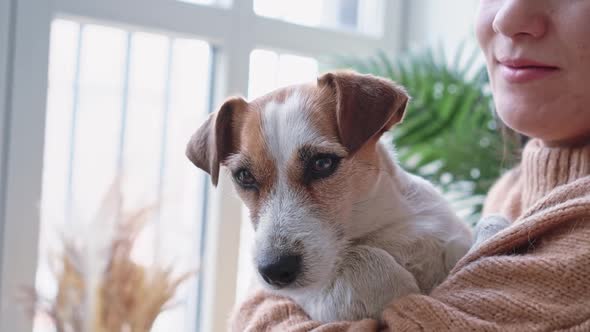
{"x":217,"y":138}
{"x":366,"y":106}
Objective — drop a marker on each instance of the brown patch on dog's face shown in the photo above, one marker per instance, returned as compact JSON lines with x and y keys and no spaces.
{"x":340,"y":194}
{"x":253,"y":157}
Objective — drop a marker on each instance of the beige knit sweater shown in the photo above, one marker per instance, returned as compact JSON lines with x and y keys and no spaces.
{"x":532,"y":276}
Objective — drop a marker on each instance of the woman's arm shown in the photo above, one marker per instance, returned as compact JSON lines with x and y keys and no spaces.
{"x":280,"y":313}
{"x":541,"y":284}
{"x":265,"y":312}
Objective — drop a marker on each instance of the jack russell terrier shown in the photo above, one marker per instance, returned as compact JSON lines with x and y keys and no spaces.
{"x":339,"y":226}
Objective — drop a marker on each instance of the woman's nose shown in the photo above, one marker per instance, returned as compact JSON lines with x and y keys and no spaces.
{"x":522,"y":18}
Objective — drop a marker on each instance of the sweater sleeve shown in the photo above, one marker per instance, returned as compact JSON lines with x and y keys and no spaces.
{"x":265,"y":312}
{"x":542,"y":286}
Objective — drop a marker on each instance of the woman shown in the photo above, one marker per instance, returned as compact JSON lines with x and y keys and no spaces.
{"x":535,"y":274}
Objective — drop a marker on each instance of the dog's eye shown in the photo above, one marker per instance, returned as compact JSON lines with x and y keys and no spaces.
{"x":245,"y":178}
{"x":322,"y":166}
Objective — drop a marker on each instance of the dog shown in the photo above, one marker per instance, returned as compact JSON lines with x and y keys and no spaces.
{"x":340,"y":227}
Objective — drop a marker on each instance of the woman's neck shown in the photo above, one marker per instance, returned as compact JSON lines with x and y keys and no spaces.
{"x":573,"y":142}
{"x":546,"y":167}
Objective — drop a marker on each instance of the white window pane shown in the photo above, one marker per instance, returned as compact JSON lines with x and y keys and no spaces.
{"x":364,"y":16}
{"x":270,"y":70}
{"x":144,"y":118}
{"x":295,"y":69}
{"x":264,"y":69}
{"x":63,"y":52}
{"x":306,"y":12}
{"x":98,"y":120}
{"x":103,"y":58}
{"x":122,"y":101}
{"x":144,"y":115}
{"x":180,"y":211}
{"x":182,"y":182}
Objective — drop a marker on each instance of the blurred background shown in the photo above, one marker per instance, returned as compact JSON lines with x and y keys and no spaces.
{"x":90,"y":90}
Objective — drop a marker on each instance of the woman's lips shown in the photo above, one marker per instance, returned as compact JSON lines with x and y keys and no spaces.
{"x":524,"y":70}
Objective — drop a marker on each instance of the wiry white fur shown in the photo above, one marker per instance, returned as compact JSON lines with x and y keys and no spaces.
{"x":286,"y":128}
{"x":284,"y":221}
{"x":284,"y":217}
{"x":409,"y":237}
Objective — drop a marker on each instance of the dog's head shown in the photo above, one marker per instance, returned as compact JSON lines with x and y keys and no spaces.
{"x":302,"y":158}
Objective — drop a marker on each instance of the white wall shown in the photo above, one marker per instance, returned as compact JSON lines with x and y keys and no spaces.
{"x":4,"y":42}
{"x":5,"y":9}
{"x":432,"y":21}
{"x":24,"y":134}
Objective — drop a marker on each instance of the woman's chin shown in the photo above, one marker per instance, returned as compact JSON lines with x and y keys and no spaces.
{"x":518,"y":119}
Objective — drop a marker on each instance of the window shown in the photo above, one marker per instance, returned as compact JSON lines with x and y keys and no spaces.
{"x":270,"y":70}
{"x":126,"y":83}
{"x":125,"y":102}
{"x":353,"y":15}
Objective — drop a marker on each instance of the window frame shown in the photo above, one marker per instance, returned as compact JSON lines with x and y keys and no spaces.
{"x":233,"y":32}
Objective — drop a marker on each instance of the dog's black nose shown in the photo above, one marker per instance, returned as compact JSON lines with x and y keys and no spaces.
{"x":281,"y":271}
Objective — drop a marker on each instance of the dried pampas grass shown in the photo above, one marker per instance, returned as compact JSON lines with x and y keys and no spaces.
{"x":99,"y":287}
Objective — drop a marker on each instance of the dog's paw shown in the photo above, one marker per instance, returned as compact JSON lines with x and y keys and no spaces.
{"x":369,"y":279}
{"x":488,"y":227}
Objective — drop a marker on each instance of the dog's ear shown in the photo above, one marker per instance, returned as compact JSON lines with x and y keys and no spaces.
{"x":217,"y":138}
{"x":366,"y":105}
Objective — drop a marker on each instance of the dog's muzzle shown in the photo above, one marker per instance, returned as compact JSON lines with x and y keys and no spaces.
{"x":280,"y":271}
